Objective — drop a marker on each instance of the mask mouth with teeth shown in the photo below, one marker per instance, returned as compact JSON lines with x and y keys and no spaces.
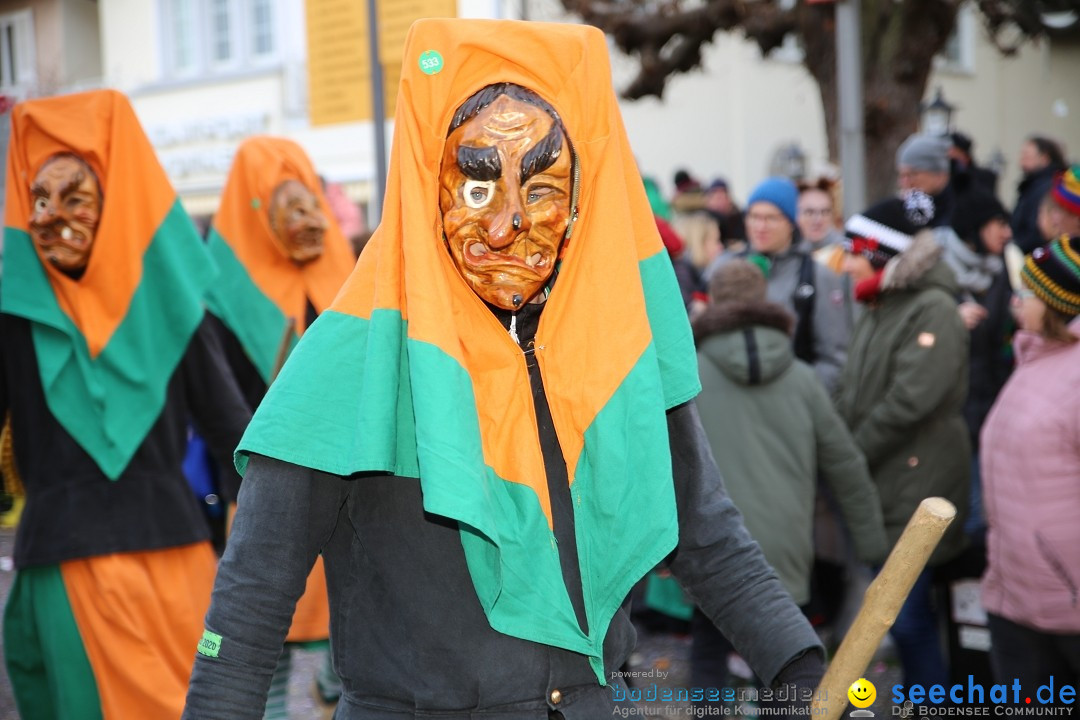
{"x":66,"y":209}
{"x":505,"y":192}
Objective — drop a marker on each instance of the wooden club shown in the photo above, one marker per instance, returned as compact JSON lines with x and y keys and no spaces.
{"x":881,"y":604}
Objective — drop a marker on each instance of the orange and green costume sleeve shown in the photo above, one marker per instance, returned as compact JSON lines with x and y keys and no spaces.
{"x":108,"y":342}
{"x":408,"y":372}
{"x":260,"y":287}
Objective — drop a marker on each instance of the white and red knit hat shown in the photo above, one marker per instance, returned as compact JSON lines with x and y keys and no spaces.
{"x":889,"y":227}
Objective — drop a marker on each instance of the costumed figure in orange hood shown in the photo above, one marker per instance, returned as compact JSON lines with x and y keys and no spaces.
{"x":282,"y":260}
{"x":490,"y":435}
{"x":104,"y":356}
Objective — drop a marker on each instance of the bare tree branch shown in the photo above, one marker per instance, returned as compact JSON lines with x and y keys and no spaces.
{"x":900,"y":40}
{"x":1011,"y":23}
{"x":668,"y":40}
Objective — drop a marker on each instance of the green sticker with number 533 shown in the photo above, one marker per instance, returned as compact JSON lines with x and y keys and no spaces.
{"x":431,"y":62}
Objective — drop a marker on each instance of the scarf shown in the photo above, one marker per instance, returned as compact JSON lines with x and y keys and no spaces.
{"x":108,"y":343}
{"x":262,"y":290}
{"x":975,"y":272}
{"x":868,"y":289}
{"x":408,"y":372}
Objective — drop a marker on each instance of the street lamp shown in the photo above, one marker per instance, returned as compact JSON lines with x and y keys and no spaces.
{"x":937,"y":116}
{"x":997,"y":162}
{"x":790,"y":161}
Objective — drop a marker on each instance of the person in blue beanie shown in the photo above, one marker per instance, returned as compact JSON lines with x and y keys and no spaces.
{"x":806,"y":288}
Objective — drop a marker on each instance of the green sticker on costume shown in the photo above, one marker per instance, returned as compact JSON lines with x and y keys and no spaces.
{"x":431,"y":62}
{"x":210,"y":645}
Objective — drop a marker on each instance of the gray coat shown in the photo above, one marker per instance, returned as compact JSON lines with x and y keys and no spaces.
{"x":773,"y":429}
{"x":831,"y":317}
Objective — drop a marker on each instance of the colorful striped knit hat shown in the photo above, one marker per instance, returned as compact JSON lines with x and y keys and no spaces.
{"x":1066,"y":189}
{"x":1053,"y":273}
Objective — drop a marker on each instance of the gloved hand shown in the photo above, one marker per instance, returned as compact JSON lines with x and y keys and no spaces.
{"x":796,"y":683}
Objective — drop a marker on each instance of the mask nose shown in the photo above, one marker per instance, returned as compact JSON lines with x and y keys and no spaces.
{"x":315,"y":221}
{"x":507,"y":224}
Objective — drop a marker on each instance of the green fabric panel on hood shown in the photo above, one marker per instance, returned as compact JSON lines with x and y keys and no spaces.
{"x":672,"y":339}
{"x":626,"y":448}
{"x":510,"y":550}
{"x":342,"y":404}
{"x":357,"y":395}
{"x":256,"y":321}
{"x":347,"y":377}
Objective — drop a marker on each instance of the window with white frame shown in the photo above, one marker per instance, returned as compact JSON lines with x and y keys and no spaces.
{"x":18,"y":72}
{"x":262,"y":28}
{"x":958,"y":55}
{"x":205,"y":37}
{"x":181,"y":37}
{"x":222,"y":27}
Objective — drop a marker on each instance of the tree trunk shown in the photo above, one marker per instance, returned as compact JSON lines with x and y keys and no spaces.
{"x":817,"y":27}
{"x":899,"y":44}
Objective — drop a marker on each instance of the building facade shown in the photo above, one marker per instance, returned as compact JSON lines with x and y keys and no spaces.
{"x":204,"y":74}
{"x":739,"y":111}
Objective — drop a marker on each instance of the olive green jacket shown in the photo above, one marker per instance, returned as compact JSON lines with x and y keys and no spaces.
{"x":902,"y":391}
{"x":773,"y":431}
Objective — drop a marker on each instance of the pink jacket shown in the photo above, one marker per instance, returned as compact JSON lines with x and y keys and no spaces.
{"x":1031,"y":488}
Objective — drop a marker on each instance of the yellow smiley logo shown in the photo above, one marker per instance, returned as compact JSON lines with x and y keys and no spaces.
{"x":862,"y":693}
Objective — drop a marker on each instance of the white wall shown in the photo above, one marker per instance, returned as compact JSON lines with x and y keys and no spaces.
{"x":1008,"y":99}
{"x":81,"y":42}
{"x":485,"y":8}
{"x":727,"y":118}
{"x":197,"y":124}
{"x":130,"y":42}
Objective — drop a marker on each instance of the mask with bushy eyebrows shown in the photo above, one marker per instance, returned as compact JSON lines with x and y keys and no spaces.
{"x":505,"y":189}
